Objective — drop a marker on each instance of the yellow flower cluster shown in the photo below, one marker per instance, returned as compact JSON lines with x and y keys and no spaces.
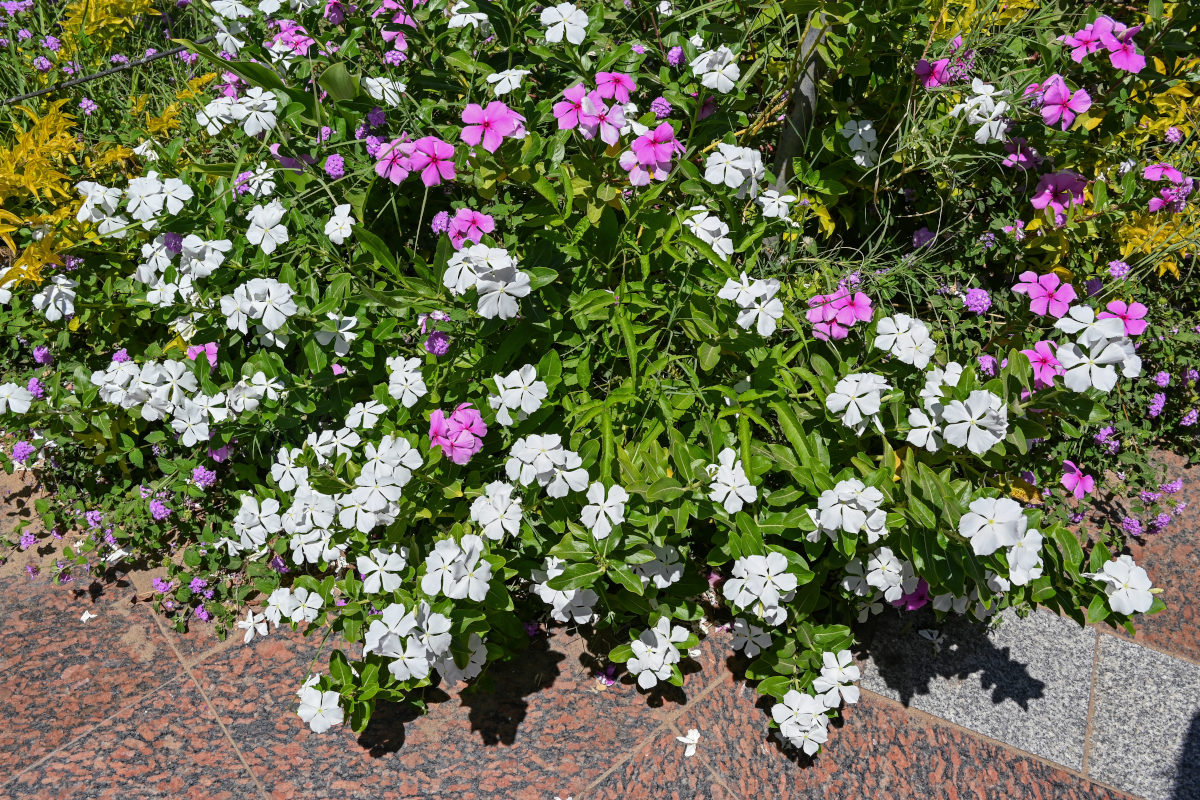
{"x":99,"y":23}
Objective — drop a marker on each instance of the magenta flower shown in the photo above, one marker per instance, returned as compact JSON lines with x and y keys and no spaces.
{"x":395,"y":162}
{"x":1045,"y":365}
{"x":933,"y":75}
{"x":460,"y":435}
{"x":490,"y":125}
{"x":596,"y":117}
{"x":614,"y":85}
{"x":434,"y":159}
{"x":1132,"y":314}
{"x":915,"y":599}
{"x":1059,"y":190}
{"x":1020,"y":155}
{"x":1084,"y":42}
{"x":567,"y":111}
{"x":1162,"y":171}
{"x":1075,"y":482}
{"x":1047,"y":293}
{"x":208,"y":350}
{"x":1118,"y":41}
{"x":1059,"y":105}
{"x":469,"y":225}
{"x":853,"y":308}
{"x":657,"y":147}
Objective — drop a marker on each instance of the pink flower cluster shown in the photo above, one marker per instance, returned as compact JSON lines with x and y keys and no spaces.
{"x":400,"y":16}
{"x":469,"y":225}
{"x":650,"y":155}
{"x":1047,"y":293}
{"x":1174,"y":197}
{"x":588,"y":111}
{"x":460,"y":435}
{"x":1057,"y":191}
{"x":945,"y":70}
{"x":832,"y":315}
{"x":429,"y":155}
{"x":293,"y":36}
{"x":489,"y":126}
{"x":208,"y":350}
{"x":1107,"y":34}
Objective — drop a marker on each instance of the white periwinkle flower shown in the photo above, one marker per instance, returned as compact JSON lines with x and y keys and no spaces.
{"x":1025,"y":558}
{"x":1126,"y":584}
{"x":979,"y":424}
{"x":564,"y":20}
{"x":507,"y":80}
{"x":730,"y":485}
{"x":655,"y":653}
{"x":603,"y":514}
{"x":381,"y":570}
{"x":906,"y":338}
{"x":497,"y":511}
{"x":858,"y":398}
{"x":836,"y":681}
{"x":749,"y":638}
{"x":717,"y":69}
{"x":992,"y":523}
{"x":340,"y":225}
{"x":802,"y":721}
{"x":320,"y":709}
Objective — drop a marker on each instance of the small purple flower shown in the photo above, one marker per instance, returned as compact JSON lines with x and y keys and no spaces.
{"x":437,"y":344}
{"x":94,"y":519}
{"x":159,"y":510}
{"x":1162,"y":379}
{"x":661,"y":107}
{"x":41,"y":355}
{"x":1148,"y":496}
{"x":32,"y":570}
{"x":988,"y":240}
{"x":361,"y":132}
{"x":197,"y":584}
{"x":987,"y":365}
{"x":922,"y":237}
{"x":394,"y":58}
{"x":1192,"y":376}
{"x":639,"y":49}
{"x":1132,"y":526}
{"x":675,"y":56}
{"x":22,"y":451}
{"x":203,"y":614}
{"x":977,"y":301}
{"x":162,"y":586}
{"x":119,"y":59}
{"x":204,"y":478}
{"x":241,"y":184}
{"x":1179,"y":508}
{"x":376,"y":117}
{"x":28,"y":540}
{"x":1162,"y":521}
{"x":1076,"y":517}
{"x":51,"y":43}
{"x":335,"y":166}
{"x":326,"y":132}
{"x":1157,"y":402}
{"x":1173,"y":135}
{"x":42,"y":64}
{"x":221,"y":453}
{"x":36,"y":388}
{"x":1172,"y":487}
{"x":1118,"y":269}
{"x":110,"y":539}
{"x":1189,"y":419}
{"x":441,"y":222}
{"x":374,"y":145}
{"x":278,"y":565}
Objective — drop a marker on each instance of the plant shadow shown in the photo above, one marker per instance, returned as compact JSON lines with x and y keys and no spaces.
{"x":908,"y":663}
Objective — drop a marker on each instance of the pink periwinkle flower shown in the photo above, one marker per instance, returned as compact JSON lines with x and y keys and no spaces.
{"x":1118,"y":41}
{"x":469,"y":225}
{"x":614,"y":85}
{"x":434,"y":159}
{"x":395,"y":160}
{"x":1060,"y":105}
{"x":208,"y":350}
{"x":1020,"y":155}
{"x":596,"y":118}
{"x":1083,"y":42}
{"x":1162,"y":172}
{"x":460,"y":435}
{"x":488,"y":126}
{"x":1132,"y":314}
{"x":1059,"y":190}
{"x":915,"y":599}
{"x":1045,"y":364}
{"x":933,"y":75}
{"x":567,"y":111}
{"x":1047,"y":293}
{"x":1075,"y":482}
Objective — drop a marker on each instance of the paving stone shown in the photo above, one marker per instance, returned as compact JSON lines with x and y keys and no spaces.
{"x":1026,"y":682}
{"x":1146,"y":722}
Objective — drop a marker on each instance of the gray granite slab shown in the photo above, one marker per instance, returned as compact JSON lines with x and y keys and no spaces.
{"x":1146,"y":722}
{"x":1025,"y":682}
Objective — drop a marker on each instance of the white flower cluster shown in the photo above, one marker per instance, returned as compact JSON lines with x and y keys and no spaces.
{"x":983,"y":109}
{"x":492,"y":272}
{"x":708,"y":228}
{"x":730,"y":486}
{"x":56,"y":299}
{"x":146,"y":198}
{"x":836,"y":681}
{"x":543,"y":459}
{"x":862,"y":139}
{"x":803,"y":721}
{"x":760,"y":308}
{"x":884,"y":571}
{"x":266,"y":227}
{"x":519,"y":391}
{"x":496,"y":511}
{"x":905,"y":338}
{"x":655,"y":653}
{"x":1126,"y":584}
{"x":263,"y":299}
{"x":717,"y":69}
{"x":665,"y":570}
{"x":851,"y":507}
{"x":457,"y":569}
{"x":737,"y":167}
{"x":749,"y":638}
{"x":418,"y":641}
{"x":979,"y":423}
{"x":992,"y":523}
{"x":762,"y":584}
{"x":858,"y":398}
{"x":566,"y":605}
{"x":405,"y":381}
{"x":1102,"y":346}
{"x":254,"y":111}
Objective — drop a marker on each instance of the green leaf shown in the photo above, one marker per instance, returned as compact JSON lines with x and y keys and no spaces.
{"x":339,"y":83}
{"x":624,"y":576}
{"x":576,"y":576}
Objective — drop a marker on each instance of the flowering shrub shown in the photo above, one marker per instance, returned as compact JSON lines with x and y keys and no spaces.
{"x":446,"y":318}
